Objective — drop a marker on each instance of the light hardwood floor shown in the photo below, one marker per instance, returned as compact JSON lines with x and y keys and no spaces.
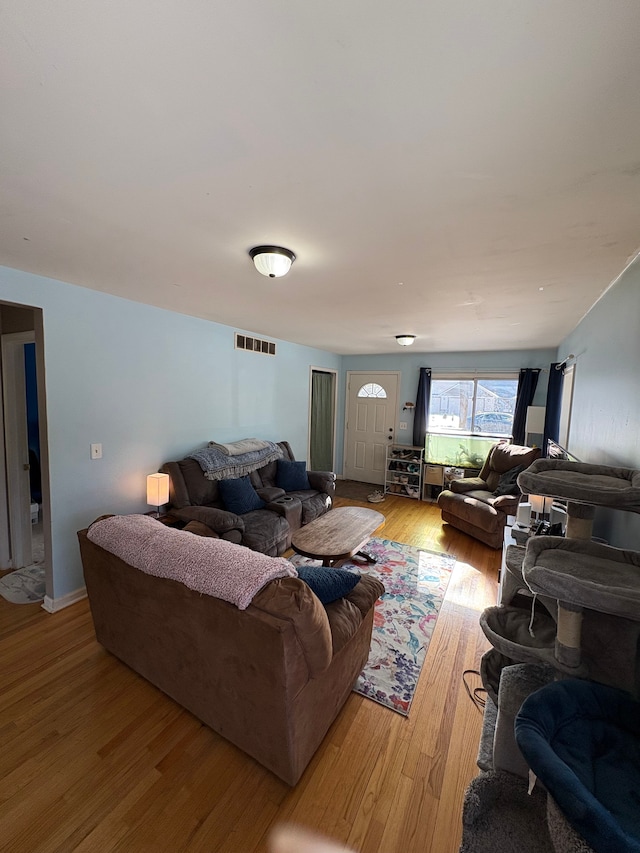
{"x":93,"y":758}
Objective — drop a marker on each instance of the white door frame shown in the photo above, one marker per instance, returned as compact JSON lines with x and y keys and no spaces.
{"x":16,"y":446}
{"x":5,"y":542}
{"x":566,"y":404}
{"x":335,"y":410}
{"x":349,"y":374}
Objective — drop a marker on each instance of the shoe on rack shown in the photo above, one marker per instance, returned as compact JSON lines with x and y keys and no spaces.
{"x":375,"y":497}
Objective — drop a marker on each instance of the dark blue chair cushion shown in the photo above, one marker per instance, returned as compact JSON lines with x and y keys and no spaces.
{"x":328,"y":584}
{"x":239,"y":496}
{"x":582,"y":740}
{"x":292,"y":476}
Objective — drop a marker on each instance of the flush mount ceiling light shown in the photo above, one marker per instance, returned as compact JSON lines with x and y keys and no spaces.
{"x":405,"y":340}
{"x":273,"y":261}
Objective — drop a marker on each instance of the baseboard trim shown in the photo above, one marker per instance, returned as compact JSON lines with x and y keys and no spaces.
{"x":53,"y":605}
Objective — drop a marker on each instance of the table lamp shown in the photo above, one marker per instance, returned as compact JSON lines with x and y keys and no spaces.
{"x":157,"y":491}
{"x":538,"y":505}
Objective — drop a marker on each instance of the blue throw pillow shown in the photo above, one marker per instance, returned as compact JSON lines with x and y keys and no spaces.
{"x":292,"y":476}
{"x":328,"y":584}
{"x":239,"y":496}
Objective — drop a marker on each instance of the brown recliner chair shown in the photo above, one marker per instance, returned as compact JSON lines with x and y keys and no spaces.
{"x":480,"y":505}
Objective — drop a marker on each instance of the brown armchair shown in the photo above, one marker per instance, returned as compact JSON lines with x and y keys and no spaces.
{"x":480,"y":505}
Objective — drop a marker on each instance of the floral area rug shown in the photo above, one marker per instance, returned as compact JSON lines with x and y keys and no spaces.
{"x":415,"y":582}
{"x":24,"y":586}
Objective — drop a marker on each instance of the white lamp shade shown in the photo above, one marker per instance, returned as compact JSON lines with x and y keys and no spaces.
{"x":405,"y":340}
{"x":537,"y":503}
{"x":157,"y":489}
{"x":272,"y":261}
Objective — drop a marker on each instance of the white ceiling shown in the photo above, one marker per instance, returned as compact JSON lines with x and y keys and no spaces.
{"x":465,"y":171}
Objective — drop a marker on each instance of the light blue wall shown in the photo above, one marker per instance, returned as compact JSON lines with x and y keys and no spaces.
{"x":605,"y":418}
{"x":408,"y":364}
{"x":149,"y":385}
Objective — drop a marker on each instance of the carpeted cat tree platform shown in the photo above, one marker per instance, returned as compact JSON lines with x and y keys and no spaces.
{"x":569,"y":619}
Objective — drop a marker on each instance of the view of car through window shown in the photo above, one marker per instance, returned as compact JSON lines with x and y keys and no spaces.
{"x":475,"y":405}
{"x":499,"y":423}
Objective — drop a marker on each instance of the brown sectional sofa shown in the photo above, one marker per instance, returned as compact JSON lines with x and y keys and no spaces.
{"x":195,"y":498}
{"x":271,"y":678}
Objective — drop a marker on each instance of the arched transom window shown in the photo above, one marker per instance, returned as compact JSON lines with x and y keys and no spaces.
{"x":372,"y":389}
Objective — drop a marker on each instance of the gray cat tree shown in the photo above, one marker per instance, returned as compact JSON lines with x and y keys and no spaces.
{"x":570,"y":607}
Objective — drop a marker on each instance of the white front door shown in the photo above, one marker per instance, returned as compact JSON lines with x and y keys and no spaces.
{"x":372,"y":406}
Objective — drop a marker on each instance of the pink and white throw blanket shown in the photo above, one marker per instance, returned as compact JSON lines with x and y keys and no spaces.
{"x":210,"y":566}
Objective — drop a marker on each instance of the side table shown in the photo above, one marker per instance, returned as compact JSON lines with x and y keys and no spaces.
{"x":167,"y":519}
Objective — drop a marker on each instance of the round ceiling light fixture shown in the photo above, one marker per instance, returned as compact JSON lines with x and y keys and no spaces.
{"x":272,"y":261}
{"x":405,"y":340}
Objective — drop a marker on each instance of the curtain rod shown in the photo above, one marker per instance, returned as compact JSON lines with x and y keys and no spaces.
{"x":567,"y":362}
{"x":485,"y":370}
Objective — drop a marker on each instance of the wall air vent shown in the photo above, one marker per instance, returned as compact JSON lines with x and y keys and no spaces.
{"x":255,"y":344}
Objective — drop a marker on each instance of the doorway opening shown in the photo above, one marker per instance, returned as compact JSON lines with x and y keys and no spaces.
{"x":25,"y":535}
{"x":322,"y":419}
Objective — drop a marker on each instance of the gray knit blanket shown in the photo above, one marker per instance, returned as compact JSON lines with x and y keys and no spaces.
{"x":236,"y":448}
{"x":218,"y":465}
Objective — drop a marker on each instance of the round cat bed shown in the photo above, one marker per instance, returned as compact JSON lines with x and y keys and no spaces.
{"x":582,"y":740}
{"x":586,"y":573}
{"x":597,"y":485}
{"x":507,"y":629}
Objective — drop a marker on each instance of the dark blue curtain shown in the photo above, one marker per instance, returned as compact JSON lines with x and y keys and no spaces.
{"x":421,"y":416}
{"x":527,"y":384}
{"x":554,"y":402}
{"x":33,"y":426}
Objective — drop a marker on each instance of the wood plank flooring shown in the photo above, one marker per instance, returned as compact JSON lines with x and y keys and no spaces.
{"x":93,"y":758}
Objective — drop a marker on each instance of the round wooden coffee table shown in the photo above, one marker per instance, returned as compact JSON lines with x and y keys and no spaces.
{"x":338,"y":534}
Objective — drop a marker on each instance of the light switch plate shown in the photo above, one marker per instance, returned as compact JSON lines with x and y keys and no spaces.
{"x":403,"y":424}
{"x":96,"y":451}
